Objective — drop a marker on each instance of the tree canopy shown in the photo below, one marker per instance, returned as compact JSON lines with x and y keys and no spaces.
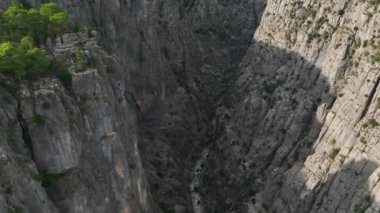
{"x":22,"y":31}
{"x":23,"y":60}
{"x":50,"y":20}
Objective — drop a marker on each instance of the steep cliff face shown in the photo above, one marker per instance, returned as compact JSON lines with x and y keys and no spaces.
{"x":184,"y":112}
{"x":304,"y":134}
{"x":73,"y":148}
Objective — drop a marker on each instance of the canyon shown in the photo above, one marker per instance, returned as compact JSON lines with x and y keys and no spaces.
{"x":201,"y":106}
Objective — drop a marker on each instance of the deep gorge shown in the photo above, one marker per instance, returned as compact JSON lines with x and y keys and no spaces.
{"x":271,"y":106}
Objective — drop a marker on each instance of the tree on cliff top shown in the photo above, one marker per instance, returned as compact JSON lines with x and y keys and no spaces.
{"x":50,"y":20}
{"x":23,"y":60}
{"x":57,"y":18}
{"x":21,"y":31}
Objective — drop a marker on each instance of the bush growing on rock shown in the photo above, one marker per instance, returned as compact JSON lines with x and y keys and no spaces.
{"x":376,"y":57}
{"x":47,"y":178}
{"x":64,"y":76}
{"x":79,"y":60}
{"x":374,"y":2}
{"x":371,"y":123}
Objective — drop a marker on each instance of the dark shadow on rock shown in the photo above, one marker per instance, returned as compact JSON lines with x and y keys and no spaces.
{"x":202,"y":57}
{"x":268,"y":122}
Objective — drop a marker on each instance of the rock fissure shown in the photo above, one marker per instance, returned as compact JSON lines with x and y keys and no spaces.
{"x":370,"y":97}
{"x":25,"y":131}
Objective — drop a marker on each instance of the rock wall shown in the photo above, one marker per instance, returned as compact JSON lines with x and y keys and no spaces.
{"x":304,"y":132}
{"x":73,"y":148}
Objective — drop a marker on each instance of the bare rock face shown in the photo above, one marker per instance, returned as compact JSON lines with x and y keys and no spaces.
{"x":301,"y":132}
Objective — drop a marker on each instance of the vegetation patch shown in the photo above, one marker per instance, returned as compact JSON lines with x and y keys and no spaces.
{"x":363,"y":140}
{"x":49,"y":21}
{"x":62,"y":73}
{"x":362,"y":207}
{"x":333,"y":154}
{"x":376,"y":57}
{"x":374,"y":2}
{"x":371,"y":123}
{"x":23,"y":60}
{"x":22,"y":32}
{"x":47,"y":178}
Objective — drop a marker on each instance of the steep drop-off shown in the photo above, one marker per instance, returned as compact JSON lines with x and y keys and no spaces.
{"x":187,"y":113}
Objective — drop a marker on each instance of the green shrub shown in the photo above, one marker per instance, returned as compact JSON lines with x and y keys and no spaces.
{"x":61,"y":72}
{"x":333,"y":154}
{"x":376,"y":57}
{"x":342,"y":159}
{"x":374,"y":2}
{"x":79,"y":59}
{"x":371,"y":123}
{"x":64,"y":76}
{"x":77,"y":27}
{"x":363,"y":140}
{"x":47,"y":178}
